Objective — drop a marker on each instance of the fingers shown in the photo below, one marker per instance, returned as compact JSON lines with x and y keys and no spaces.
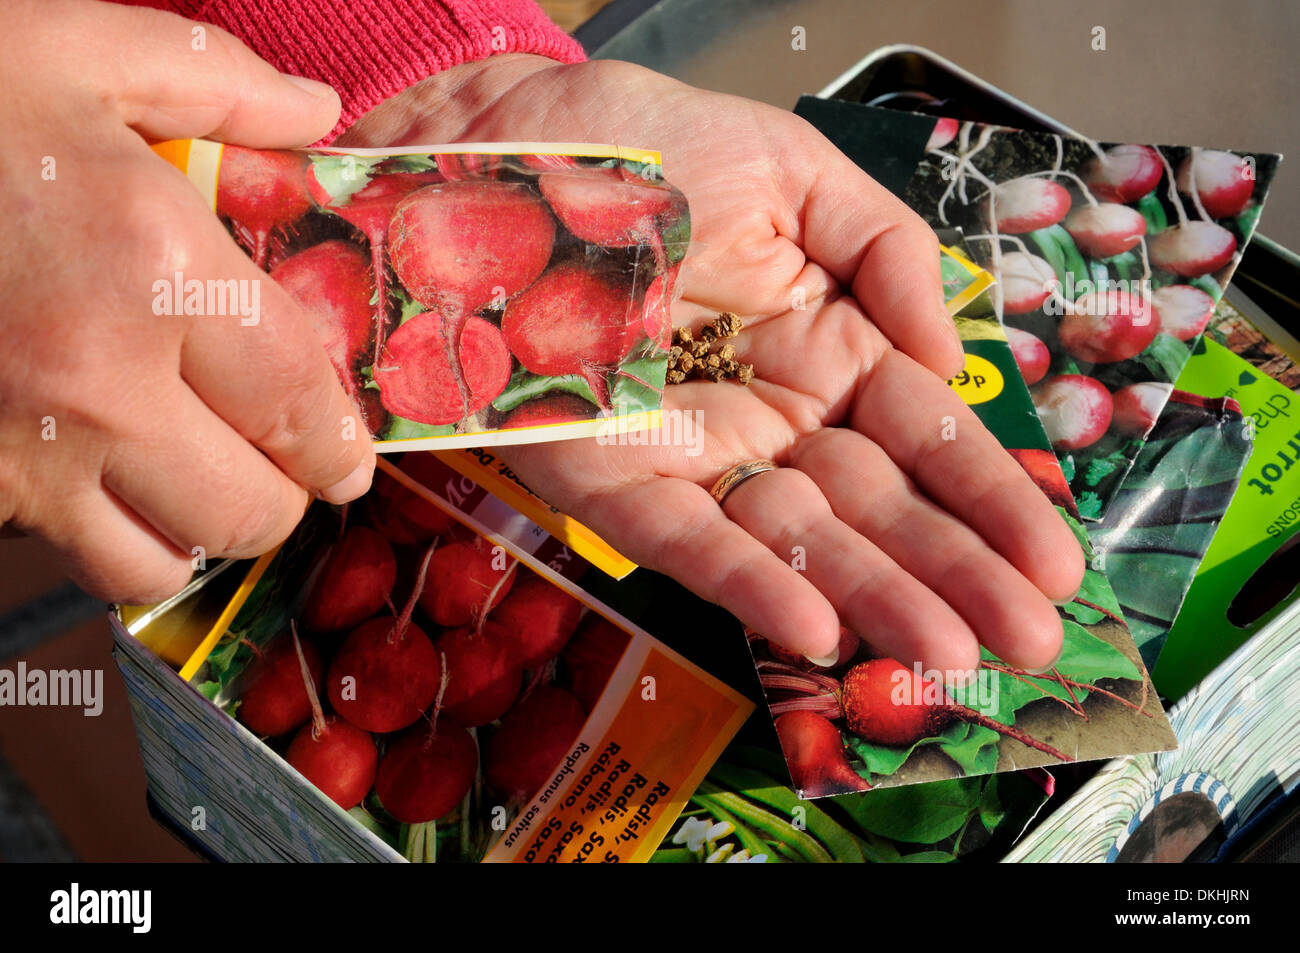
{"x":933,"y":437}
{"x":876,"y":598}
{"x":115,"y":555}
{"x":873,"y":243}
{"x":276,"y":387}
{"x":265,"y":372}
{"x":172,"y":78}
{"x":249,"y":506}
{"x":869,"y":493}
{"x":899,"y":286}
{"x":674,"y":527}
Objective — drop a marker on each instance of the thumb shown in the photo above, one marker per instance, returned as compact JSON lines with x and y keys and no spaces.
{"x":173,"y":78}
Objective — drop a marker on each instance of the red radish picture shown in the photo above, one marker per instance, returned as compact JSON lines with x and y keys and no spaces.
{"x":866,"y":721}
{"x":370,"y":210}
{"x":462,"y":295}
{"x":1110,"y":260}
{"x":413,"y":670}
{"x":354,"y":582}
{"x":276,"y":699}
{"x":531,"y":741}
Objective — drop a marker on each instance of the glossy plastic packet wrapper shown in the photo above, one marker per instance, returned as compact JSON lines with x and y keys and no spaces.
{"x":467,"y":295}
{"x":1162,"y":519}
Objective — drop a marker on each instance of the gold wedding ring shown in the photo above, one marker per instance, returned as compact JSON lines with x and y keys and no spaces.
{"x":738,"y":475}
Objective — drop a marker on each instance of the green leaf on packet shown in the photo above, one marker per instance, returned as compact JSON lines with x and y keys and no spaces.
{"x":410,"y":163}
{"x":972,"y":748}
{"x":1165,"y":357}
{"x":927,"y":857}
{"x":342,"y":176}
{"x":677,"y":238}
{"x":1089,"y":505}
{"x":1097,"y":591}
{"x":1207,"y":284}
{"x":402,"y":429}
{"x":884,"y":760}
{"x":639,"y":383}
{"x":1247,"y":220}
{"x":524,"y":385}
{"x":1154,"y":212}
{"x":915,"y":813}
{"x":1067,"y":467}
{"x":1101,"y":467}
{"x":1086,"y":658}
{"x":992,"y":810}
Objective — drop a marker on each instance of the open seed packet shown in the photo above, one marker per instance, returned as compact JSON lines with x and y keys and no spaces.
{"x":424,"y":674}
{"x":467,"y":295}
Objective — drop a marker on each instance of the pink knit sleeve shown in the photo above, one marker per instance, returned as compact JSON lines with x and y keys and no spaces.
{"x":370,"y":50}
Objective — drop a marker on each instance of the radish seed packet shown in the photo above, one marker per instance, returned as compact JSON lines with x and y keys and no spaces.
{"x":1110,"y":258}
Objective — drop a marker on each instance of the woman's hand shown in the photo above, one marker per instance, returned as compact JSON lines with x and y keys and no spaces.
{"x":894,"y":511}
{"x":136,"y":442}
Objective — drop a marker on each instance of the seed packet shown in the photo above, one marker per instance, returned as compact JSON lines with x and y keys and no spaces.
{"x":1109,"y":262}
{"x":1245,"y":572}
{"x":486,"y":706}
{"x":1109,"y":265}
{"x":467,"y":295}
{"x":746,"y":812}
{"x":1165,"y":514}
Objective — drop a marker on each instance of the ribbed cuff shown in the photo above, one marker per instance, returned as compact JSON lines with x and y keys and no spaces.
{"x":371,"y":50}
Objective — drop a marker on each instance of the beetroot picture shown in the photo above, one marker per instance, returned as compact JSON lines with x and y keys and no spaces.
{"x":1110,"y":260}
{"x":468,"y":298}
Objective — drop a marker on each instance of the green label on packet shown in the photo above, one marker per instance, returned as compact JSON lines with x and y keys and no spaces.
{"x":1263,"y":514}
{"x":1266,"y":505}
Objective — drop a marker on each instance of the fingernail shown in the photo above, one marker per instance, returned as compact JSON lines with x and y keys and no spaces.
{"x":352,"y":486}
{"x":824,"y":661}
{"x":1060,"y":603}
{"x":314,"y":87}
{"x":958,"y":353}
{"x":1047,"y":668}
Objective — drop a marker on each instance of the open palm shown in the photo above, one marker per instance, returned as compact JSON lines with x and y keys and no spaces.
{"x":894,"y":512}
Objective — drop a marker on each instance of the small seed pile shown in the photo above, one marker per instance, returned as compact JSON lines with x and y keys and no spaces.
{"x":692,"y":359}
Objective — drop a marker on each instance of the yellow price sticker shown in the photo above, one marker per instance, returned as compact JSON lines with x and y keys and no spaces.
{"x":979,"y":381}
